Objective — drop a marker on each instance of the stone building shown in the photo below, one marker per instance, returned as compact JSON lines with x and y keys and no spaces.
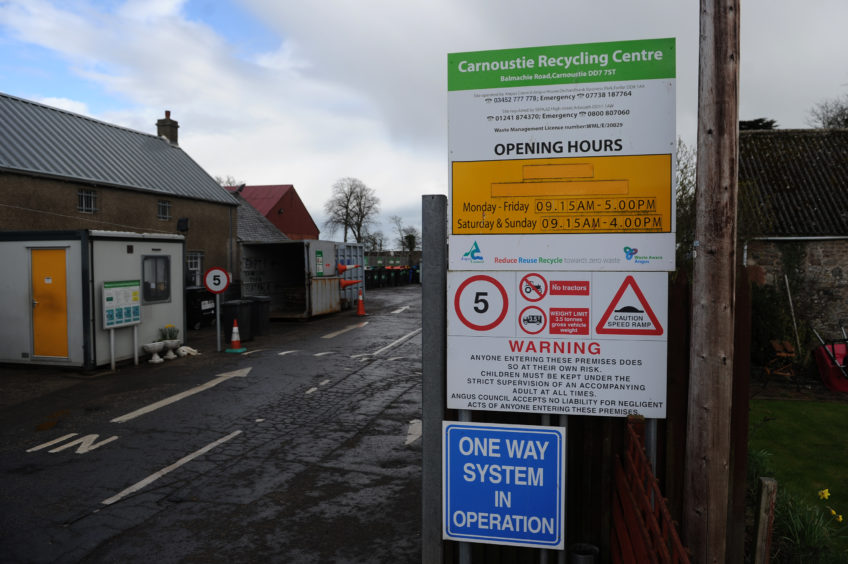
{"x":64,"y":171}
{"x":793,"y":220}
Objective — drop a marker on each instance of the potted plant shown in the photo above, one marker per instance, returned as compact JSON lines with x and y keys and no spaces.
{"x":169,"y":334}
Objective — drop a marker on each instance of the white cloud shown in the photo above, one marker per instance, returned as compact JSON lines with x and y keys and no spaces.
{"x":359,"y":88}
{"x":74,"y":106}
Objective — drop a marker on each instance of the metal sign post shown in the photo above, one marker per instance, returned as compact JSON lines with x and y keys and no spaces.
{"x":217,"y":280}
{"x":575,"y":140}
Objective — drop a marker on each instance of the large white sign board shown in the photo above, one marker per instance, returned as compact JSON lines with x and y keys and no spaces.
{"x":583,"y":343}
{"x":569,"y":139}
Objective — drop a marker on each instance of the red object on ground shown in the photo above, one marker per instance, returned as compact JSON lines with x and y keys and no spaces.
{"x":832,"y":375}
{"x":360,"y":310}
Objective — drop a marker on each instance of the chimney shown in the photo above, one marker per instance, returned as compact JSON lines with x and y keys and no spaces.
{"x":167,"y":128}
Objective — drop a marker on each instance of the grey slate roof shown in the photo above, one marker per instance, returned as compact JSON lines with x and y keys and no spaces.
{"x":793,"y":182}
{"x":253,"y":227}
{"x":44,"y":141}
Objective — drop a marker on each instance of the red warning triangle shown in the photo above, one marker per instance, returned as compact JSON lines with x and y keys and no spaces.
{"x":628,"y":319}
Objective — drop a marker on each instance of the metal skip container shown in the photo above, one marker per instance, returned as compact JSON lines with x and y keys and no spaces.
{"x":298,"y":278}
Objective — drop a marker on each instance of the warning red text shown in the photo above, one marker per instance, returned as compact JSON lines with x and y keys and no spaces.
{"x":569,"y":287}
{"x":569,"y":321}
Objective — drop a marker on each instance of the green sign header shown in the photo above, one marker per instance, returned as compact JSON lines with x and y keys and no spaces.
{"x":122,"y":284}
{"x":562,"y":64}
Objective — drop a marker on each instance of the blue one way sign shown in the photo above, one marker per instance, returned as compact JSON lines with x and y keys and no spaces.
{"x":503,"y":484}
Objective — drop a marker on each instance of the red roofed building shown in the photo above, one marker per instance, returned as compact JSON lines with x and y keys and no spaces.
{"x":281,"y":205}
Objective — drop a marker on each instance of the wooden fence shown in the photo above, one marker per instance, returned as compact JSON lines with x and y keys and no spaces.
{"x":643,"y":530}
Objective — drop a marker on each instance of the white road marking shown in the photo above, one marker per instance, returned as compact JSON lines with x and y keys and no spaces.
{"x":397,"y":342}
{"x":175,"y":398}
{"x":345,"y":330}
{"x":248,"y":353}
{"x":414,"y":431}
{"x":324,"y":383}
{"x":401,"y":310}
{"x":156,"y":475}
{"x":311,"y":390}
{"x":323,"y":353}
{"x":51,"y":443}
{"x":284,"y":353}
{"x":86,"y":444}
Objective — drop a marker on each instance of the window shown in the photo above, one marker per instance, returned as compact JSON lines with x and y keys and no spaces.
{"x":156,"y":279}
{"x":86,"y":201}
{"x":194,"y":268}
{"x":164,"y":210}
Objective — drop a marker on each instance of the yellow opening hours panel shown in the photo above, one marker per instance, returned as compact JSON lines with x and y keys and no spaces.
{"x":619,"y":194}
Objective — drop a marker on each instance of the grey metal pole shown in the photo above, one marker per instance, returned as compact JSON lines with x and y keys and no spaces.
{"x":433,"y":371}
{"x":218,"y":319}
{"x":563,"y":554}
{"x":464,"y":415}
{"x":543,"y":554}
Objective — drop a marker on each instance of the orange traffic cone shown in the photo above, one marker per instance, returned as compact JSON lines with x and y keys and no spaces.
{"x":360,"y":309}
{"x":345,"y":283}
{"x":341,"y":268}
{"x":236,"y":347}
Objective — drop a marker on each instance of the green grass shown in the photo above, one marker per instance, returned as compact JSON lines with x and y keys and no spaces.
{"x":807,"y":444}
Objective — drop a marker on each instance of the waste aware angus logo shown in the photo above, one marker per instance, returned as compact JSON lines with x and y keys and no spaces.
{"x":473,"y":254}
{"x":629,"y":313}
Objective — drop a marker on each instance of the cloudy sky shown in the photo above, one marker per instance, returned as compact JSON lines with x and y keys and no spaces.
{"x":305,"y":93}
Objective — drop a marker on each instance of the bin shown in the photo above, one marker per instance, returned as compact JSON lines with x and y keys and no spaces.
{"x":260,"y":312}
{"x":200,"y":307}
{"x":242,"y":311}
{"x":583,"y":553}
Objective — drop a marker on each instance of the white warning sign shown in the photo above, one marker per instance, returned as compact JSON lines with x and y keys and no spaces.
{"x":581,"y":343}
{"x":629,"y":313}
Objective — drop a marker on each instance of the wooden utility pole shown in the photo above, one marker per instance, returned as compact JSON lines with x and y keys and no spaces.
{"x":714,"y":277}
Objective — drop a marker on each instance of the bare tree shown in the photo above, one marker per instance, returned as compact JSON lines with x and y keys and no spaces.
{"x":408,"y":236}
{"x":685,"y":204}
{"x":411,"y":238}
{"x":374,"y":241}
{"x":352,"y":207}
{"x":228,"y":180}
{"x":830,"y":114}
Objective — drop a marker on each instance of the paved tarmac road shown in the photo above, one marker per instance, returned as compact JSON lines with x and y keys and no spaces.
{"x":306,"y":449}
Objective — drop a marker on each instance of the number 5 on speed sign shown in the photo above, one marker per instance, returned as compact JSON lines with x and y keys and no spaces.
{"x":479,"y":304}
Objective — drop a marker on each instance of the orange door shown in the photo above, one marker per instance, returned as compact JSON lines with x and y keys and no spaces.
{"x":49,"y":303}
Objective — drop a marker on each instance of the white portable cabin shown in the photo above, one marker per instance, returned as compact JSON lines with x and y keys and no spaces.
{"x":65,"y":294}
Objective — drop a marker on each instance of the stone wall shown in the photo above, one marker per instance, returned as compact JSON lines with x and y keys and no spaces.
{"x":30,"y":203}
{"x":818,"y":277}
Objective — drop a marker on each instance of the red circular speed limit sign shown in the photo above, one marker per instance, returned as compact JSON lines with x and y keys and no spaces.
{"x":481,"y":303}
{"x":216,"y":280}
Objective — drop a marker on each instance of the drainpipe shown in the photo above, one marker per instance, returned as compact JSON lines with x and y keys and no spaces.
{"x":230,"y":250}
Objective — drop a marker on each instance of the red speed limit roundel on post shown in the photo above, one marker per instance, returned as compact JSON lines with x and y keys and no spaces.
{"x":216,"y":280}
{"x":480,"y":304}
